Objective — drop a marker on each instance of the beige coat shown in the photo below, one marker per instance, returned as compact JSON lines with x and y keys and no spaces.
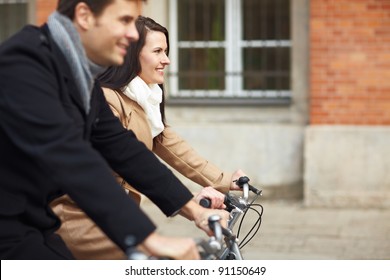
{"x":83,"y":237}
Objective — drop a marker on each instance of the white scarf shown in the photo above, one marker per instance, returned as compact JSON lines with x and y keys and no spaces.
{"x":149,"y":98}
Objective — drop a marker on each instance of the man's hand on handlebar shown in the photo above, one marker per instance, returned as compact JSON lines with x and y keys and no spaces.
{"x":170,"y":247}
{"x":193,"y":211}
{"x":215,"y":197}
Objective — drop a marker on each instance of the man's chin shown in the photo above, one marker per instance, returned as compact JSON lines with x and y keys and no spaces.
{"x":118,"y":61}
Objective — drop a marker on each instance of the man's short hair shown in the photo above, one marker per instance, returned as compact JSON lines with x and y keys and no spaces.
{"x":67,"y":7}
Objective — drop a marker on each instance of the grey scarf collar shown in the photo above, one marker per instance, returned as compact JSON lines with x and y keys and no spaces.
{"x":68,"y":40}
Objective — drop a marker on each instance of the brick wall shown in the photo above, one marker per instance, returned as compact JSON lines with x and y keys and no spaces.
{"x":350,"y":62}
{"x":44,"y":8}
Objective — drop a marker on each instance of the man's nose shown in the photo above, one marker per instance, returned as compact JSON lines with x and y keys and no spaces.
{"x":132,"y":33}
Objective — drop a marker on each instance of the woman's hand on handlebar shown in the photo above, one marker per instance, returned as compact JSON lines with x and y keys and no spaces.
{"x":170,"y":247}
{"x":216,"y":198}
{"x":233,"y":186}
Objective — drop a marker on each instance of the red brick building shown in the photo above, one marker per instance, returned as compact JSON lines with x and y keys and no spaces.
{"x":349,"y":92}
{"x":350,"y":62}
{"x":43,"y":9}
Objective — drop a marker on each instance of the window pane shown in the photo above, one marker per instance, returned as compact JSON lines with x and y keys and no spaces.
{"x":12,"y":18}
{"x":202,"y":69}
{"x":253,"y":61}
{"x":201,"y":20}
{"x":266,"y":19}
{"x":266,"y":68}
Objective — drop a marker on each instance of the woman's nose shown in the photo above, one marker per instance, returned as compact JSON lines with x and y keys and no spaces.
{"x":166,"y":60}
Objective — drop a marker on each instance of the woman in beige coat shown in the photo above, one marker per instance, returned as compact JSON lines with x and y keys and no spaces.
{"x":135,"y":94}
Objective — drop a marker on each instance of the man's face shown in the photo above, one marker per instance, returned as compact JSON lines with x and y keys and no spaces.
{"x":107,"y":39}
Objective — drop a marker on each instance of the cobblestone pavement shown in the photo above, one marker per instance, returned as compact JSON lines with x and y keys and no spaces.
{"x":291,"y":231}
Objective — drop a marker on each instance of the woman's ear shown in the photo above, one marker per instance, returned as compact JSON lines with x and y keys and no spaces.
{"x":83,"y":16}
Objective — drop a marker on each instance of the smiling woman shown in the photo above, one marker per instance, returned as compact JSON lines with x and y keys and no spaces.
{"x":154,"y":58}
{"x":135,"y":94}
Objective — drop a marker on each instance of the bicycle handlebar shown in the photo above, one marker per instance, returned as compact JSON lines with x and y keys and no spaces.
{"x":244,"y":180}
{"x":231,"y":201}
{"x":237,"y":206}
{"x":213,"y":248}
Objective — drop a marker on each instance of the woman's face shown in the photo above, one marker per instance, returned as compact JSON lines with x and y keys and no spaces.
{"x":153,"y":58}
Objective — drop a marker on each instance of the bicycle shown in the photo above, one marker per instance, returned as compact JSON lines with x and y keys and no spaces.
{"x":223,"y":245}
{"x":230,"y":248}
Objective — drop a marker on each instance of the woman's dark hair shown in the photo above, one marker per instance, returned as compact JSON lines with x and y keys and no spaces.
{"x":67,"y":7}
{"x":118,"y":77}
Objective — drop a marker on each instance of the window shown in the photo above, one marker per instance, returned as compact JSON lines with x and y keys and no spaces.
{"x":237,"y":50}
{"x":13,"y":16}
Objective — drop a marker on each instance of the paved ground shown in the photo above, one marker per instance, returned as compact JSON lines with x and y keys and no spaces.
{"x":291,"y":231}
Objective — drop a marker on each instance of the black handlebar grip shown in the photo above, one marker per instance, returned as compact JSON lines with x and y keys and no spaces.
{"x":205,"y":202}
{"x":242,"y":180}
{"x":245,"y":180}
{"x":230,"y":202}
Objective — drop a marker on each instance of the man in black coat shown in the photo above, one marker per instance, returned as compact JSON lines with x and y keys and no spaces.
{"x":58,"y":135}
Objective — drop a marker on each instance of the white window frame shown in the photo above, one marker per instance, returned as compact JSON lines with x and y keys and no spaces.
{"x":233,"y":45}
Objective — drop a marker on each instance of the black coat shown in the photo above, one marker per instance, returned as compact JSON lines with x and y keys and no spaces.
{"x":49,"y":146}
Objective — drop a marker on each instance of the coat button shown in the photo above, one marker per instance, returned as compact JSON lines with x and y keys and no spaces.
{"x":43,"y":39}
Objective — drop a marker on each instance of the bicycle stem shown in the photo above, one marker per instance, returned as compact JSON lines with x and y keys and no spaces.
{"x":234,"y":215}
